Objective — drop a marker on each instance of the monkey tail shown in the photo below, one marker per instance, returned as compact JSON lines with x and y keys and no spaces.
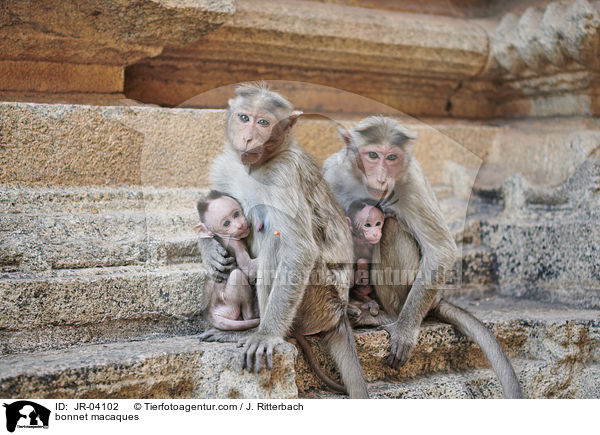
{"x":314,"y":364}
{"x":470,"y":326}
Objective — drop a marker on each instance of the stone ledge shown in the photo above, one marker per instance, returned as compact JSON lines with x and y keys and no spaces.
{"x":84,"y":296}
{"x":68,"y":145}
{"x":536,"y":377}
{"x":56,"y":78}
{"x":63,"y":49}
{"x":97,"y":239}
{"x":76,"y":228}
{"x":104,"y":33}
{"x":547,"y":259}
{"x":567,"y":339}
{"x":350,"y":48}
{"x":178,"y":367}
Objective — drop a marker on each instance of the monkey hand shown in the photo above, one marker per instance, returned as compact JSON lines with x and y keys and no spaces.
{"x":403,"y":340}
{"x":216,"y":259}
{"x":254,"y":347}
{"x":252,"y":270}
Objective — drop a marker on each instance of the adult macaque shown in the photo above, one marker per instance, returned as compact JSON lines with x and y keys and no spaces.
{"x":377,"y":162}
{"x":366,"y":223}
{"x":231,"y":305}
{"x":304,"y":234}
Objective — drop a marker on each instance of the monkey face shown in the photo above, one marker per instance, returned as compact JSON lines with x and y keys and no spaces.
{"x":369,"y":223}
{"x":381,"y":165}
{"x":224,"y":217}
{"x":255,"y":134}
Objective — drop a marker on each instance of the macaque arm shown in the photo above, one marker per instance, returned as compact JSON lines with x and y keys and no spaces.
{"x":243,"y":260}
{"x":423,"y":217}
{"x":285,"y":264}
{"x":291,"y":257}
{"x":438,"y":250}
{"x":242,"y":257}
{"x":214,"y":256}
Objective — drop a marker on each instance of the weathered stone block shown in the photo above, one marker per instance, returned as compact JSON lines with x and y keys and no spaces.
{"x":178,"y":367}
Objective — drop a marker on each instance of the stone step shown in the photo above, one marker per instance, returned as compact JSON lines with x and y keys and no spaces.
{"x":79,"y":227}
{"x":546,"y":256}
{"x":564,"y":338}
{"x":556,"y":352}
{"x":59,"y":308}
{"x":103,"y":239}
{"x":537,"y":380}
{"x":70,"y":145}
{"x":74,"y":146}
{"x":478,"y":265}
{"x":95,"y":199}
{"x":173,"y":367}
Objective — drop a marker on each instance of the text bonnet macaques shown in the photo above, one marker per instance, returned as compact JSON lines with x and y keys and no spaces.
{"x":305,"y":235}
{"x":366,"y":224}
{"x":231,"y":305}
{"x":377,"y":162}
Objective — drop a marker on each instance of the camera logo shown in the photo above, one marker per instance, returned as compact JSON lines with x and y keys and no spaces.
{"x":26,"y":414}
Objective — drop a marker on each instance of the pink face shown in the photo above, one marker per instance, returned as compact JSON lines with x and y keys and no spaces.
{"x":252,"y":130}
{"x":382,"y":164}
{"x":369,"y":221}
{"x":224,"y":217}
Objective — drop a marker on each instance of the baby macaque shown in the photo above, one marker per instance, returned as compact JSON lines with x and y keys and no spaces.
{"x":231,"y":305}
{"x":366,"y":222}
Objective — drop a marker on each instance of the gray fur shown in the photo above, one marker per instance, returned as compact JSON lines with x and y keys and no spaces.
{"x":289,"y":193}
{"x":417,"y":244}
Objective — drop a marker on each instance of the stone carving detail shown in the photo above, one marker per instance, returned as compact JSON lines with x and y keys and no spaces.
{"x":562,"y":34}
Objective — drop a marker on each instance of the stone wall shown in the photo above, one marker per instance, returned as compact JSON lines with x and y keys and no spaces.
{"x":475,"y":60}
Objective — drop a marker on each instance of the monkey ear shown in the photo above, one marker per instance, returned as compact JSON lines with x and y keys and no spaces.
{"x":293,"y":118}
{"x":203,"y":231}
{"x":346,"y":136}
{"x":349,"y":223}
{"x":410,"y":134}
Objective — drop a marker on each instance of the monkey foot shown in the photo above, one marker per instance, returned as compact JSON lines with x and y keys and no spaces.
{"x":217,"y":335}
{"x":372,"y":306}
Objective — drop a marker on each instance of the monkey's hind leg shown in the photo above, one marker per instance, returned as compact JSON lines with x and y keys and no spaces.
{"x":341,"y":345}
{"x":470,"y":326}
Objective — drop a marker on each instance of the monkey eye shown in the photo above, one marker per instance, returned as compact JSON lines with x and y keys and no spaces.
{"x":243,"y":117}
{"x":373,"y":155}
{"x":236,"y":214}
{"x":226,"y":224}
{"x":378,"y":224}
{"x":368,"y":225}
{"x":392,"y":157}
{"x":263,"y":122}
